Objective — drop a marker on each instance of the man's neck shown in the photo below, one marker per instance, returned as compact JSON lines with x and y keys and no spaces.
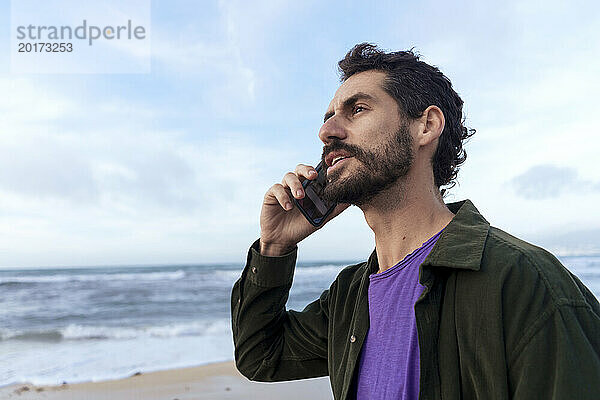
{"x":403,"y":218}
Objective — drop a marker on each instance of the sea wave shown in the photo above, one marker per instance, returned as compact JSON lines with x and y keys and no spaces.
{"x":141,"y":276}
{"x":82,"y":332}
{"x":318,"y":270}
{"x":326,"y":269}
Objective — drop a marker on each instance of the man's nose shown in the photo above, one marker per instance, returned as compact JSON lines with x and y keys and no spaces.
{"x":332,"y":129}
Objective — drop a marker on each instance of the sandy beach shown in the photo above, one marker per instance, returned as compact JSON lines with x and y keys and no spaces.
{"x":214,"y":381}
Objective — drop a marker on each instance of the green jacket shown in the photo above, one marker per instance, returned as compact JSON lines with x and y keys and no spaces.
{"x":499,"y":319}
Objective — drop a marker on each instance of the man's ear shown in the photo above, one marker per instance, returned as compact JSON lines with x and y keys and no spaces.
{"x":433,"y":123}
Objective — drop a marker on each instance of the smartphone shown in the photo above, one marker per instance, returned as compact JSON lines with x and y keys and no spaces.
{"x":312,"y":205}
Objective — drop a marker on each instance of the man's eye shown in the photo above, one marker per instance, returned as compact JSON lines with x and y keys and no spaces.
{"x":357,"y":109}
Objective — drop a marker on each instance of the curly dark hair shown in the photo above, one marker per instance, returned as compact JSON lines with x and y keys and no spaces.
{"x":415,"y":85}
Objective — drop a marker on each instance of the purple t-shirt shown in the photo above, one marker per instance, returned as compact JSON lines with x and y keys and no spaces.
{"x":389,"y":360}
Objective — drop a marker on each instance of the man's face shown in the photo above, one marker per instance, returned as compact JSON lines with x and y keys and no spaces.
{"x":368,"y":146}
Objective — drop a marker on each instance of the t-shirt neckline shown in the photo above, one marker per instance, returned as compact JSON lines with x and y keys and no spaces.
{"x":407,"y":259}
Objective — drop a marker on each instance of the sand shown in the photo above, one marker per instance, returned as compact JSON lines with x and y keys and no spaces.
{"x":213,"y":381}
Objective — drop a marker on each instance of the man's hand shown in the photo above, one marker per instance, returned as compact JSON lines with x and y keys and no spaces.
{"x":282,"y":225}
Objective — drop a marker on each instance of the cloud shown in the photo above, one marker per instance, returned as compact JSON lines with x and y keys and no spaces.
{"x":40,"y":166}
{"x":100,"y":197}
{"x":550,"y":181}
{"x":218,"y":61}
{"x":172,"y":166}
{"x":119,"y":188}
{"x":147,"y":171}
{"x":26,"y":103}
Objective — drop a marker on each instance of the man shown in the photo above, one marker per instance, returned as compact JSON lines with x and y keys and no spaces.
{"x":446,"y":305}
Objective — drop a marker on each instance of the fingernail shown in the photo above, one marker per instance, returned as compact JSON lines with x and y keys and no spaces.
{"x":312,"y":172}
{"x":299,"y":192}
{"x":288,"y":206}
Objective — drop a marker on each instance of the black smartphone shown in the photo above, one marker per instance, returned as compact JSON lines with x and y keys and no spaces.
{"x":312,"y":205}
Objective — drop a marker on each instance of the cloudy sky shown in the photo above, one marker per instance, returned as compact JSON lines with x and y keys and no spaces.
{"x":171,"y":166}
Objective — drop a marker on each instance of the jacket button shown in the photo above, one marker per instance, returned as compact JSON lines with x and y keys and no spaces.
{"x":253,"y":270}
{"x":352,"y":339}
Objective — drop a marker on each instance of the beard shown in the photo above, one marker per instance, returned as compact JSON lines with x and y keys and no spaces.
{"x":378,"y":169}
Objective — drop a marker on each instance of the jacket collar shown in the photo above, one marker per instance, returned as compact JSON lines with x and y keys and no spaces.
{"x":461,"y":243}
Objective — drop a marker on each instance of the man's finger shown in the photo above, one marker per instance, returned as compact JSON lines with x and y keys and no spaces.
{"x":306,"y":171}
{"x":293,"y":183}
{"x":280,"y":193}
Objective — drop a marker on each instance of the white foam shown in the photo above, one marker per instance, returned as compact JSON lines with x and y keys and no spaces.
{"x":322,"y":270}
{"x":79,"y":361}
{"x":81,"y":332}
{"x":326,"y":270}
{"x":142,"y":276}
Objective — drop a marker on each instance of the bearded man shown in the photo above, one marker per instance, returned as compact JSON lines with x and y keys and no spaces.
{"x":446,"y":306}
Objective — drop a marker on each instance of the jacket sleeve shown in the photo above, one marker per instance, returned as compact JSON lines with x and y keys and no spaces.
{"x":561,"y":360}
{"x":272,"y":344}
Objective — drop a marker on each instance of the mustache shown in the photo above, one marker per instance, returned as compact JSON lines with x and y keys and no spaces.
{"x":337,"y":144}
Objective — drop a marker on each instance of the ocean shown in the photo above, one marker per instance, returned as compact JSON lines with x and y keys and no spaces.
{"x":96,"y":323}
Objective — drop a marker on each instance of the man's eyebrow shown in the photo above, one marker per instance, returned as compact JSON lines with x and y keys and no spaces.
{"x":349,"y":102}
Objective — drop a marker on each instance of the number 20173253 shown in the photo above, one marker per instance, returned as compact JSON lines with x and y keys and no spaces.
{"x":39,"y":47}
